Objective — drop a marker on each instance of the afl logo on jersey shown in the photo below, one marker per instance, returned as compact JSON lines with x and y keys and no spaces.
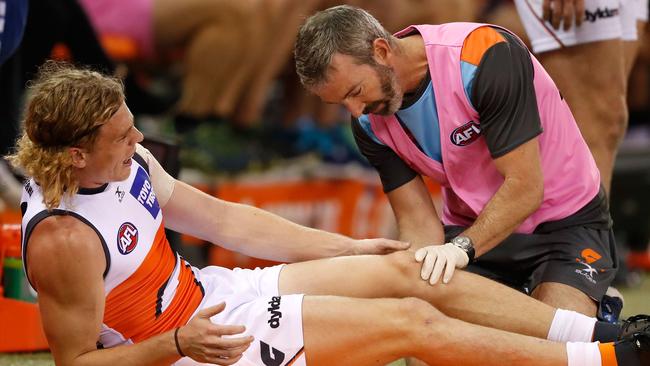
{"x":127,"y":238}
{"x":466,"y":134}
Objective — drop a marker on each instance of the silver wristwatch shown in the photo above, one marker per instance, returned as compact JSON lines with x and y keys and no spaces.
{"x":465,"y":243}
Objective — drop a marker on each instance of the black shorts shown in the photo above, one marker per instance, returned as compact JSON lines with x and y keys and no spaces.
{"x":579,"y":256}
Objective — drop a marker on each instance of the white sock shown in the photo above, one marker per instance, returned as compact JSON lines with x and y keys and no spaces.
{"x":570,"y":326}
{"x":583,"y":354}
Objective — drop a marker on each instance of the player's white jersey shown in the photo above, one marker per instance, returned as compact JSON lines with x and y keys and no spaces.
{"x":149,"y":288}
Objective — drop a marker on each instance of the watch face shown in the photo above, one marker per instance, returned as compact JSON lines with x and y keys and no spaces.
{"x":463,"y":242}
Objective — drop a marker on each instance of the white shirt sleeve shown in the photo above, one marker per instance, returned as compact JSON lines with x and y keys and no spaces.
{"x":163,"y":183}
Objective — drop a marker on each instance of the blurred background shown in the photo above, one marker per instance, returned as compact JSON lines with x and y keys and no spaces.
{"x":211,"y":85}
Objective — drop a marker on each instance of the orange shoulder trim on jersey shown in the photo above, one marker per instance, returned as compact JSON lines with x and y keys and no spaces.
{"x":479,"y":41}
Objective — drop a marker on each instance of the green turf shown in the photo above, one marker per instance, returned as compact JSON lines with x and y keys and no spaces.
{"x":637,"y":300}
{"x":26,"y":359}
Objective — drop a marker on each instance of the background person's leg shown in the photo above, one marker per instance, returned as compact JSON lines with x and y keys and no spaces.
{"x":220,"y":50}
{"x":279,"y":29}
{"x":591,"y":78}
{"x":586,"y":63}
{"x":639,"y":255}
{"x":631,"y":48}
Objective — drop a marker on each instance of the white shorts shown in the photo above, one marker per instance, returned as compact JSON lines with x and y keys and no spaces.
{"x":252,"y":299}
{"x":604,"y":19}
{"x":643,"y":9}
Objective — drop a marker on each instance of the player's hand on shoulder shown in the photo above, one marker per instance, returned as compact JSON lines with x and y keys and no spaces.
{"x":436,"y":258}
{"x":204,"y":341}
{"x":379,"y":246}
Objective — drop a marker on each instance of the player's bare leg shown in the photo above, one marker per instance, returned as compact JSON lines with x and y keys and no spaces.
{"x":631,"y":48}
{"x":566,"y":297}
{"x":346,"y":331}
{"x":469,"y":297}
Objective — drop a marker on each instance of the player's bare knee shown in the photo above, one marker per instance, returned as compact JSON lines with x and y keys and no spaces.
{"x":615,"y":125}
{"x":418,"y":319}
{"x":418,"y":311}
{"x":620,"y":119}
{"x":606,"y":123}
{"x":403,"y":264}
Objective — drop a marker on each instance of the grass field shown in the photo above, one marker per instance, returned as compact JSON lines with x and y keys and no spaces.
{"x":30,"y":359}
{"x":637,"y":301}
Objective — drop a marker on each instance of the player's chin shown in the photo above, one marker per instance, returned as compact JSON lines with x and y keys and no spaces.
{"x":123,"y":173}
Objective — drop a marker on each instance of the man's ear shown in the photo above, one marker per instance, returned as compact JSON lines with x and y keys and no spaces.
{"x":78,"y":156}
{"x":383,"y":52}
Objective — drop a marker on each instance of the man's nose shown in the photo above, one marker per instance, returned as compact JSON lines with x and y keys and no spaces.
{"x":139,"y":136}
{"x":355,"y":107}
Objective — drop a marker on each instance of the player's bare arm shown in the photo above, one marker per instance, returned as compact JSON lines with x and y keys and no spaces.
{"x":563,"y":12}
{"x":417,"y":219}
{"x":255,"y":232}
{"x":66,"y":263}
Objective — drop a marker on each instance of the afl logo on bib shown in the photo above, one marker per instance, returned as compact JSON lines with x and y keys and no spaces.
{"x":127,"y":238}
{"x":466,"y":134}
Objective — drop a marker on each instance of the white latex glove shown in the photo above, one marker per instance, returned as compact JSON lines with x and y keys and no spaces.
{"x":435,"y":258}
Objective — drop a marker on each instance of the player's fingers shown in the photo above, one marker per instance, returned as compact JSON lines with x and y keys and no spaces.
{"x":393,"y":245}
{"x":556,"y":13}
{"x":568,"y":14}
{"x":234,"y":352}
{"x":211,"y":311}
{"x":580,"y":11}
{"x":441,"y":262}
{"x":233,"y":342}
{"x":228,"y":352}
{"x":546,"y":10}
{"x":222,"y":329}
{"x":220,"y":360}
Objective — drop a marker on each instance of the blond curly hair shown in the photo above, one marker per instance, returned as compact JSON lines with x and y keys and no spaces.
{"x":66,"y":108}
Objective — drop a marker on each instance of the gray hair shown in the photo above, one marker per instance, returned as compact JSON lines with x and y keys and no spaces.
{"x":341,"y":29}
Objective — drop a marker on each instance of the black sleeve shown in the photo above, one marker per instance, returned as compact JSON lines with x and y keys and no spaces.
{"x":50,"y":22}
{"x":82,"y":39}
{"x":504,"y":96}
{"x":393,"y":171}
